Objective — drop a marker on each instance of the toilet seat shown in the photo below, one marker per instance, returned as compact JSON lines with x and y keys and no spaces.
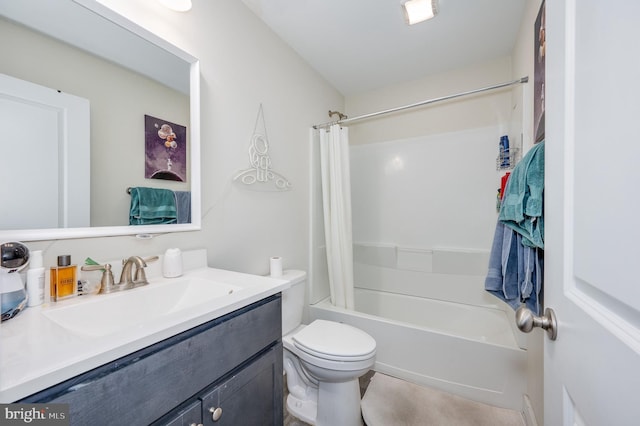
{"x":335,"y":341}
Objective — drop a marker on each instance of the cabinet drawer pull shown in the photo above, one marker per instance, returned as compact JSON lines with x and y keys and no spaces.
{"x":216,"y":413}
{"x":193,"y":424}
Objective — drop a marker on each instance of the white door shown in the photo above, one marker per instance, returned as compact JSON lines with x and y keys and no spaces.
{"x":592,"y":212}
{"x":45,"y":153}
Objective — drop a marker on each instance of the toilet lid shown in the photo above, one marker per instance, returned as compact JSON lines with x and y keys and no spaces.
{"x":333,"y":340}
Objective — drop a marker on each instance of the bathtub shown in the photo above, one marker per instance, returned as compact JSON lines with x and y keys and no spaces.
{"x":467,"y":350}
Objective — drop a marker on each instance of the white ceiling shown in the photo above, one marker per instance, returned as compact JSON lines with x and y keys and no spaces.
{"x":362,"y":45}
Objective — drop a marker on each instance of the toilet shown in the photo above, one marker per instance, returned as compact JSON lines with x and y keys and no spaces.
{"x":322,"y":361}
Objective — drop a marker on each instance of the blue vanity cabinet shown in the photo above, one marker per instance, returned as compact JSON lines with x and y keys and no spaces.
{"x":230,"y":367}
{"x":191,"y":415}
{"x":246,"y":398}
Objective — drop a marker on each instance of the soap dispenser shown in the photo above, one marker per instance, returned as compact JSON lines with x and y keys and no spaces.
{"x":35,"y":279}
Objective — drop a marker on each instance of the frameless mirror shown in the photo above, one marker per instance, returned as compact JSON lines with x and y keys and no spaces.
{"x":121,"y":75}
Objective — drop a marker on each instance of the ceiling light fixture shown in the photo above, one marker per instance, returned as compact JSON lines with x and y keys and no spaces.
{"x":419,"y":10}
{"x":177,"y":5}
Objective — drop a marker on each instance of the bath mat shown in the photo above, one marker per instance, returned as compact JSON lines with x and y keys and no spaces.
{"x":391,"y":401}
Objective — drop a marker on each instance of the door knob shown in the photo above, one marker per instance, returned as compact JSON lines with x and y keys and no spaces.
{"x":527,"y":320}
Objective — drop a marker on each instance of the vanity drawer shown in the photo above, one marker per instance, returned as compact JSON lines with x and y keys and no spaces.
{"x":145,"y":385}
{"x":191,"y":415}
{"x":248,"y":396}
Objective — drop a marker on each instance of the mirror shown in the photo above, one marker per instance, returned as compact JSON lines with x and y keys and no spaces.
{"x":132,"y":59}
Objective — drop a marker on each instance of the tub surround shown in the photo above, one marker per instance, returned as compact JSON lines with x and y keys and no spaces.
{"x":38,"y":353}
{"x":446,"y":274}
{"x":469,"y":351}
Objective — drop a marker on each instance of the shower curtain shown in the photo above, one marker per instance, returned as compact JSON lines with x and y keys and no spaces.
{"x":336,"y":201}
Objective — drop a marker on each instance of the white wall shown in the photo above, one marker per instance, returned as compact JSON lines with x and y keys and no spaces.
{"x":476,"y":111}
{"x":243,"y":64}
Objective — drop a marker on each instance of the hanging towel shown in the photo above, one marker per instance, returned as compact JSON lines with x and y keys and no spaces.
{"x":531,"y":284}
{"x":502,"y":278}
{"x":516,"y":260}
{"x":151,"y":206}
{"x":183,"y":206}
{"x":515,"y":270}
{"x":522,"y":204}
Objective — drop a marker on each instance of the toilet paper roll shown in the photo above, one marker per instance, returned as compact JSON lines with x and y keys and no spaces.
{"x":276,"y":266}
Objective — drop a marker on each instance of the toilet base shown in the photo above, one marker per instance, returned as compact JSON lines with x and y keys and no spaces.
{"x":341,"y":403}
{"x":301,"y":409}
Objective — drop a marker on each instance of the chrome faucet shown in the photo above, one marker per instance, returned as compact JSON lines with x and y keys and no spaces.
{"x":128,"y":279}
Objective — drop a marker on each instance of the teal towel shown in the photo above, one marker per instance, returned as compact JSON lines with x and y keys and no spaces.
{"x":522,"y":205}
{"x":150,"y":206}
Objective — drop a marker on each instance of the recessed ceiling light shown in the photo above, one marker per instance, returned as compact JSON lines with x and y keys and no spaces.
{"x":177,"y":5}
{"x":419,"y":10}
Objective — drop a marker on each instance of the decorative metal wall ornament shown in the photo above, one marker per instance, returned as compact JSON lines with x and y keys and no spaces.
{"x":260,"y":176}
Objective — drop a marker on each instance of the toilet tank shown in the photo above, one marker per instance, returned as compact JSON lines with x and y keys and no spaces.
{"x":293,"y":300}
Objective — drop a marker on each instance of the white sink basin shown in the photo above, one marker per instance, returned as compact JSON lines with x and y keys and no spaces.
{"x":101,"y":315}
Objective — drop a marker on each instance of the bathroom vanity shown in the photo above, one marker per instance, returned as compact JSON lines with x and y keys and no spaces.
{"x":226,"y":371}
{"x":204,"y":348}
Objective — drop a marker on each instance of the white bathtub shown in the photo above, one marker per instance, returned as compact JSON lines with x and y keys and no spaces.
{"x":466,"y":350}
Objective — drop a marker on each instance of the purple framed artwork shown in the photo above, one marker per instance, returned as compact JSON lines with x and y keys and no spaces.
{"x":165,"y":149}
{"x":538,"y":88}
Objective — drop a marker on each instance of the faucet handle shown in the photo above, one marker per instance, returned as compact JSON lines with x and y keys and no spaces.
{"x":145,"y":260}
{"x":94,"y":267}
{"x":140,"y":278}
{"x":106,"y":283}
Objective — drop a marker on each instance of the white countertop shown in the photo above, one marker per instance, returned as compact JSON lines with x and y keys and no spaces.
{"x":36,"y":352}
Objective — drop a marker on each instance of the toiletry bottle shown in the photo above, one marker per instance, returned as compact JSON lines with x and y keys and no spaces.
{"x":64,"y":282}
{"x":35,"y":279}
{"x":505,"y":160}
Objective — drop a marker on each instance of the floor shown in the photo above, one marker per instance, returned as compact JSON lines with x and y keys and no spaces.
{"x":453,"y":404}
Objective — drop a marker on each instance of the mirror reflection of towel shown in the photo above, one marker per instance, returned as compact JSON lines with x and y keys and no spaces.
{"x":150,"y":206}
{"x":183,"y":206}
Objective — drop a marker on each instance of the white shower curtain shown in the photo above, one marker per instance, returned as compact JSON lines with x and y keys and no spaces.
{"x":336,"y":201}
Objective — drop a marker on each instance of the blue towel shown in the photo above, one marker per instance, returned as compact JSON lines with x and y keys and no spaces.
{"x":151,"y":206}
{"x":502,"y":278}
{"x":522,"y":207}
{"x":515,"y":270}
{"x":183,"y":206}
{"x":531,"y":284}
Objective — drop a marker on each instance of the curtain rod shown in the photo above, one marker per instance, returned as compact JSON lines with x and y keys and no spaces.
{"x":417,"y":104}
